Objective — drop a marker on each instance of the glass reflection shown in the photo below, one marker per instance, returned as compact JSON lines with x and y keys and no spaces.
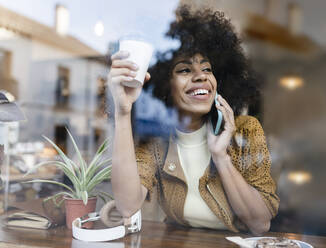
{"x":58,"y":75}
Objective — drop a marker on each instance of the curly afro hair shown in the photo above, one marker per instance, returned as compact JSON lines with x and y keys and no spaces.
{"x":212,"y":35}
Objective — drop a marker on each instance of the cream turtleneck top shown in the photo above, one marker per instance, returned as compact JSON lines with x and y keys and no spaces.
{"x":194,"y":157}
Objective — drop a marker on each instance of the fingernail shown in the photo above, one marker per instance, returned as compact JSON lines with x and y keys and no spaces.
{"x":129,"y":78}
{"x":133,"y":73}
{"x":124,"y":53}
{"x":134,"y":66}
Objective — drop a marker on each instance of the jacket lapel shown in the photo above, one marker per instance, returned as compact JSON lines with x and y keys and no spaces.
{"x":172,"y":165}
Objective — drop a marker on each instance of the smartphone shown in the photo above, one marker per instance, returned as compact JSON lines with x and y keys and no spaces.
{"x":218,"y":122}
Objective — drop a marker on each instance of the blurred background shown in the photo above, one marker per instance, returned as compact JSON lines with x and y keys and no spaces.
{"x":54,"y":58}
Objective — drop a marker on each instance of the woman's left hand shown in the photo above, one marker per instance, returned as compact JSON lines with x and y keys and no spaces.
{"x":218,"y":144}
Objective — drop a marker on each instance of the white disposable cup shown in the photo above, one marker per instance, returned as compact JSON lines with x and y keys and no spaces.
{"x":140,"y":53}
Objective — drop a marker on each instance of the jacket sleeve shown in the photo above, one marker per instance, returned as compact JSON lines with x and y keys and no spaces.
{"x":253,"y":160}
{"x":146,"y":166}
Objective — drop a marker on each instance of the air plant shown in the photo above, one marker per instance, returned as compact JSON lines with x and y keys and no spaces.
{"x":84,"y":177}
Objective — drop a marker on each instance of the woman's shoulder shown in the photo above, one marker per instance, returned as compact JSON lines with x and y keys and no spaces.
{"x":151,"y":144}
{"x":247,"y":122}
{"x":152,"y":150}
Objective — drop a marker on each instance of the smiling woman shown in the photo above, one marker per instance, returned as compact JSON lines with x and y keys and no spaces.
{"x":193,"y":86}
{"x":203,"y":180}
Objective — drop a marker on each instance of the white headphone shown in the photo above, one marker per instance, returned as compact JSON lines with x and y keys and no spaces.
{"x":118,"y":229}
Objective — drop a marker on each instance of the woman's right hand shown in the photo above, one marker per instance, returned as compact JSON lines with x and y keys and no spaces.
{"x":121,"y":71}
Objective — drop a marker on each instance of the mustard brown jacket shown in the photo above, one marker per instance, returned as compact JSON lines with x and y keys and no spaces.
{"x":159,"y":165}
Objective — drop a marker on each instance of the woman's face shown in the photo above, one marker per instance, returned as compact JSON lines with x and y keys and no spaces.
{"x":193,"y":85}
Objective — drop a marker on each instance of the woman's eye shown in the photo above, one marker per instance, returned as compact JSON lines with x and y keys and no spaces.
{"x":207,"y":69}
{"x":185,"y":70}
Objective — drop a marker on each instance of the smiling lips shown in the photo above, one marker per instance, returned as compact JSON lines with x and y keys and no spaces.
{"x":199,"y":93}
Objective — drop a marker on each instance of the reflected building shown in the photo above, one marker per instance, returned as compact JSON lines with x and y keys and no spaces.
{"x":58,"y":80}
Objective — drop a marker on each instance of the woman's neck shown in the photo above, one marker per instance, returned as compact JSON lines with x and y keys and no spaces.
{"x":189,"y":123}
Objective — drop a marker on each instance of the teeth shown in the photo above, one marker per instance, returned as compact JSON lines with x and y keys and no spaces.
{"x":199,"y":92}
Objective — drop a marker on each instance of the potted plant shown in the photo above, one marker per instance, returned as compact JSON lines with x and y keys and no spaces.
{"x":81,"y":198}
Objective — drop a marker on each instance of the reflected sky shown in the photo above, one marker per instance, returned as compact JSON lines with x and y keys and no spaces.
{"x":118,"y":17}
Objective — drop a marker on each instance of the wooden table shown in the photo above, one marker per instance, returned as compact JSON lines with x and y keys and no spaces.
{"x":153,"y":234}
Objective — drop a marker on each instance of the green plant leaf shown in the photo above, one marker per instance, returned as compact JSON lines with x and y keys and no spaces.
{"x":75,"y":181}
{"x":64,"y":194}
{"x":81,"y":160}
{"x":84,"y":197}
{"x":55,"y":196}
{"x":98,"y":178}
{"x":62,"y":166}
{"x":106,"y":194}
{"x":35,"y":167}
{"x":103,"y":146}
{"x":76,"y":169}
{"x":98,"y":156}
{"x":102,"y":198}
{"x":84,"y":178}
{"x":61,"y":153}
{"x":95,"y":167}
{"x":50,"y":181}
{"x":70,"y":168}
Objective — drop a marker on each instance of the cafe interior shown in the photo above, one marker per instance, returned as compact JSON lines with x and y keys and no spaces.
{"x":54,"y":62}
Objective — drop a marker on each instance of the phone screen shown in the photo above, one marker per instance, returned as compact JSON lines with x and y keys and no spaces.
{"x":217,"y":119}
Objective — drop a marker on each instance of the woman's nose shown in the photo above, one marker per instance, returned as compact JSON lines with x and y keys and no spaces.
{"x":199,"y":76}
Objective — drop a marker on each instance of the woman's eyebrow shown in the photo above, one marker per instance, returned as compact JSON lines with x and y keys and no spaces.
{"x":204,"y":61}
{"x":189,"y":62}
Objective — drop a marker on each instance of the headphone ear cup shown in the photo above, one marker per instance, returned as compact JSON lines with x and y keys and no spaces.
{"x":105,"y":215}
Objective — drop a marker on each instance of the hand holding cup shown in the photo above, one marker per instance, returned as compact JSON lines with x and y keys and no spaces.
{"x":140,"y":53}
{"x":123,"y":70}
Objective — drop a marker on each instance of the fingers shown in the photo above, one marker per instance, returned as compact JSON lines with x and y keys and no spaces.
{"x":122,"y":68}
{"x":120,"y":79}
{"x":119,"y":60}
{"x":123,"y":71}
{"x":120,"y":55}
{"x":224,"y":113}
{"x":147,"y":77}
{"x":228,"y":109}
{"x":228,"y":117}
{"x":224,"y":103}
{"x":124,"y":63}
